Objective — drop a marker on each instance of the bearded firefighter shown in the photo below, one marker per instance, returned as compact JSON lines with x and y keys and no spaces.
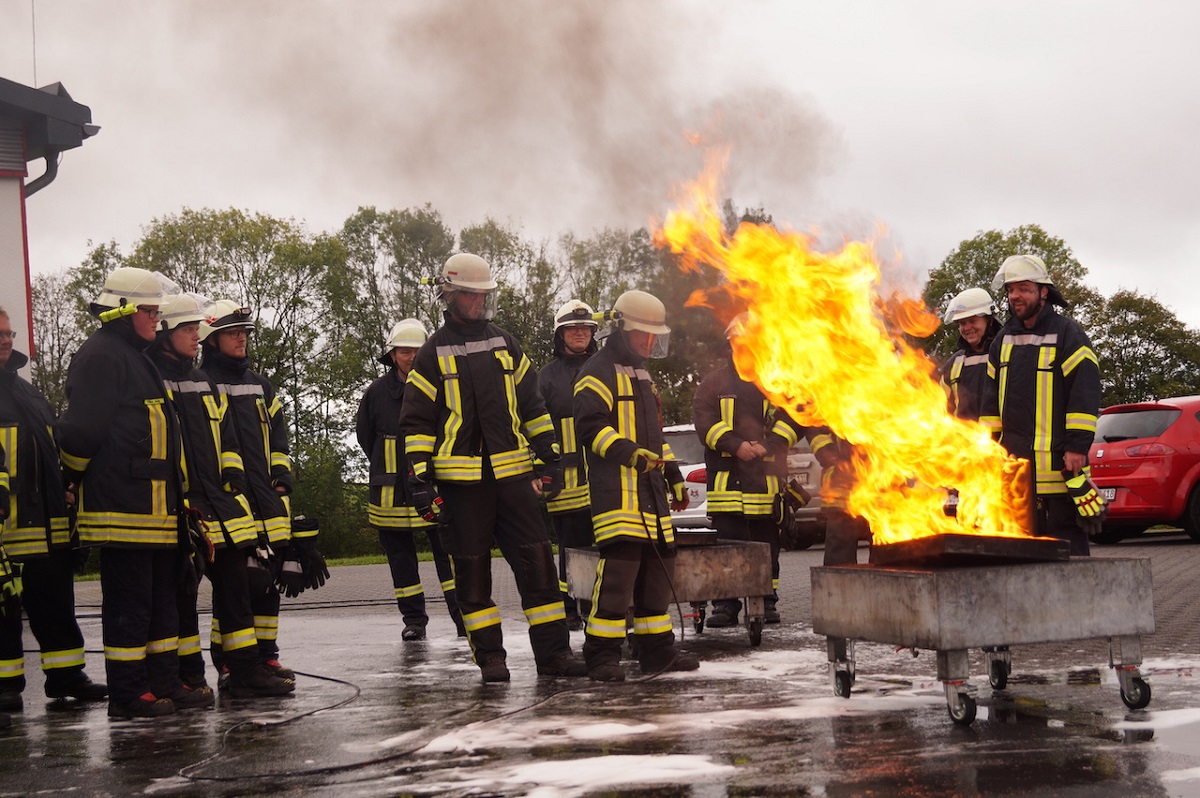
{"x":631,"y":473}
{"x":472,"y":414}
{"x":1044,"y":398}
{"x":390,"y":511}
{"x":219,"y":512}
{"x":570,"y":511}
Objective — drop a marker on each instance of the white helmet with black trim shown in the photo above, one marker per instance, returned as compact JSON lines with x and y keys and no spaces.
{"x":225,"y":314}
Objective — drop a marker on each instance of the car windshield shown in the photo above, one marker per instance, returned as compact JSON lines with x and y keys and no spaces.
{"x":685,"y":446}
{"x":1112,"y":427}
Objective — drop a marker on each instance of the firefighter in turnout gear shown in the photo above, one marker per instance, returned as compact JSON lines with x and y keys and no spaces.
{"x":964,"y":375}
{"x":1044,"y":395}
{"x":120,"y":449}
{"x":377,"y":426}
{"x":36,"y":539}
{"x":221,"y":526}
{"x":570,"y":511}
{"x":631,"y":473}
{"x":472,"y":413}
{"x":261,"y":429}
{"x":746,"y":440}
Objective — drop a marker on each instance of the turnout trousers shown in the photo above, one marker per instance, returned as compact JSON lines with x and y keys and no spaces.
{"x":1057,"y":519}
{"x":140,"y":619}
{"x":401,"y":549}
{"x":507,"y":514}
{"x":234,"y":641}
{"x":49,"y":602}
{"x":638,"y":574}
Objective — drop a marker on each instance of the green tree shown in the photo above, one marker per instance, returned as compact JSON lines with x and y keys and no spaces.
{"x":974,"y":263}
{"x":1145,"y":351}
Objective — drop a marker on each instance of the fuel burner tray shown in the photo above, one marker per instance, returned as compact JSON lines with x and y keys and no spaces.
{"x":969,"y":551}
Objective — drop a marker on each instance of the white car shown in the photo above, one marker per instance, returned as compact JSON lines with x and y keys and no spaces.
{"x":690,"y":453}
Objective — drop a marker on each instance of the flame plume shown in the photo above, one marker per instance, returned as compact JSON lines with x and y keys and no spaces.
{"x":821,"y":342}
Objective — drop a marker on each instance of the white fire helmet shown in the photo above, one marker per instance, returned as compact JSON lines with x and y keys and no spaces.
{"x":972,"y":302}
{"x":637,"y":310}
{"x":124,"y":289}
{"x":1022,"y":267}
{"x":180,"y":309}
{"x":470,"y":274}
{"x":225,"y":314}
{"x":406,"y":333}
{"x":574,"y":311}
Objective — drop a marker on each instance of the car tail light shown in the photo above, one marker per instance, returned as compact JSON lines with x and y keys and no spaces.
{"x":1149,"y":450}
{"x":700,"y":475}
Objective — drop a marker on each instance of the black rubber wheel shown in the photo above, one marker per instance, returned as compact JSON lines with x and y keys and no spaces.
{"x":1191,"y":516}
{"x":998,"y":674}
{"x":965,"y":715}
{"x":1138,"y":696}
{"x":699,"y":624}
{"x":841,"y":684}
{"x":756,"y":627}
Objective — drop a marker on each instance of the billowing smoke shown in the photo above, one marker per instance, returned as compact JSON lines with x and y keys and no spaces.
{"x":557,"y":115}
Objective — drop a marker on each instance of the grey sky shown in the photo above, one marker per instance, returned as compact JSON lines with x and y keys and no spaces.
{"x":935,"y":119}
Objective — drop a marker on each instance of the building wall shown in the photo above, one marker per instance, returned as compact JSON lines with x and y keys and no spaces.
{"x":14,"y":258}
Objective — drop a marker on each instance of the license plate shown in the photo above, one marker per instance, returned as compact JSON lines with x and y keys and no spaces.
{"x":802,"y":477}
{"x":1108,"y":494}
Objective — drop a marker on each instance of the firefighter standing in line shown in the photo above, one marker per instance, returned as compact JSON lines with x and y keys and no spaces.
{"x":1044,"y":398}
{"x":36,"y":538}
{"x":570,"y":511}
{"x":216,"y":495}
{"x":266,"y":458}
{"x":120,"y":449}
{"x":472,"y":412}
{"x":965,"y":375}
{"x":746,"y":440}
{"x":630,"y":470}
{"x":377,"y":427}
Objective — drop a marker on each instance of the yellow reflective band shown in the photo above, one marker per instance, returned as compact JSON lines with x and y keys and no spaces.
{"x":775,"y":583}
{"x":281,"y":459}
{"x":266,"y":627}
{"x":73,"y":462}
{"x":539,"y":426}
{"x":786,"y":431}
{"x":66,"y":658}
{"x":591,"y":383}
{"x":410,"y":591}
{"x":611,"y":628}
{"x":419,"y":444}
{"x":1077,"y":357}
{"x":214,"y":634}
{"x":604,"y":439}
{"x":189,"y":645}
{"x":162,"y":646}
{"x":546,"y":613}
{"x":563,"y":587}
{"x":416,"y":379}
{"x":651,"y":624}
{"x":474,"y":621}
{"x":448,"y":585}
{"x":1081,"y":421}
{"x":12,"y":668}
{"x":123,"y":654}
{"x":242,"y":638}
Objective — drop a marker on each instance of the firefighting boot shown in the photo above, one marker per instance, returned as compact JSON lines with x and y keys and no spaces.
{"x":256,"y":681}
{"x":287,"y":674}
{"x":771,"y":611}
{"x":606,"y":672}
{"x":562,"y":664}
{"x":725,"y":613}
{"x":413,"y":632}
{"x":144,"y":706}
{"x":75,"y":684}
{"x":192,"y":698}
{"x":11,"y":701}
{"x":494,"y":669}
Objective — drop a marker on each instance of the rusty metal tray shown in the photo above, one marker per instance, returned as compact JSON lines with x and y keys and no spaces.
{"x":968,"y":551}
{"x":695,"y":538}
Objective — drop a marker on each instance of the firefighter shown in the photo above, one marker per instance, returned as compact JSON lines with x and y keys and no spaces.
{"x":965,"y":373}
{"x":472,"y":412}
{"x":36,"y":539}
{"x":224,"y":530}
{"x":746,"y":440}
{"x":1043,"y":397}
{"x":120,"y":450}
{"x":570,"y":511}
{"x":631,"y":472}
{"x":377,"y":427}
{"x":262,"y":436}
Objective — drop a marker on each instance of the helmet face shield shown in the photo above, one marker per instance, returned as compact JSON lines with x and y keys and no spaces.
{"x":647,"y":344}
{"x":469,"y":304}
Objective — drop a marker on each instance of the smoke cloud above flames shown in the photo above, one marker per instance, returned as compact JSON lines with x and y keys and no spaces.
{"x":551,"y":115}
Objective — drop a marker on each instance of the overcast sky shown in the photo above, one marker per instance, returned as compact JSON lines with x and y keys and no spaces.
{"x":935,"y":119}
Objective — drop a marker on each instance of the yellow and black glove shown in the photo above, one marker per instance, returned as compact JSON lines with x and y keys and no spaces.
{"x":644,"y":461}
{"x":10,"y":586}
{"x":1088,"y":501}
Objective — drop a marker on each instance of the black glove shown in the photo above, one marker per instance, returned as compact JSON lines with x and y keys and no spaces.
{"x":312,"y":563}
{"x":4,"y":497}
{"x":551,"y":476}
{"x":424,"y":496}
{"x":10,"y":586}
{"x":795,"y":496}
{"x":290,"y":579}
{"x":194,"y":545}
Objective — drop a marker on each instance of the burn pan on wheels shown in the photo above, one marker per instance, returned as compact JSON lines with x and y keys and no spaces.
{"x":964,"y":551}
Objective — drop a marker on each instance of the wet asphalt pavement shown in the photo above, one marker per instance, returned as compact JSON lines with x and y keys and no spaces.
{"x":413,"y":718}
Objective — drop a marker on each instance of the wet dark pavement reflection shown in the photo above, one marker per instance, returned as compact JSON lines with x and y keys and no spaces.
{"x":753,"y":721}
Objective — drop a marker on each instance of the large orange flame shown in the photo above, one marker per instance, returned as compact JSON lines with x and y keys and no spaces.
{"x":821,"y":342}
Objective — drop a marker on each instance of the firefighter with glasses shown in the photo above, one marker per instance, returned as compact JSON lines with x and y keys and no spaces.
{"x":390,"y":511}
{"x":472,"y":414}
{"x":1044,"y":399}
{"x":570,"y":511}
{"x":120,"y":449}
{"x":631,"y":474}
{"x":36,"y":547}
{"x":965,"y":374}
{"x":221,"y":525}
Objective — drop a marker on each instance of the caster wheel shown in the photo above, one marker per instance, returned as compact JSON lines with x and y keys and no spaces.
{"x":964,"y":715}
{"x":756,"y":627}
{"x":1139,"y":694}
{"x":998,"y":674}
{"x":841,"y":684}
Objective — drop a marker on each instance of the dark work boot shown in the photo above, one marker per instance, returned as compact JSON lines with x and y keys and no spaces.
{"x":494,"y":668}
{"x":563,"y":664}
{"x":279,"y":670}
{"x":771,"y":611}
{"x":75,"y":685}
{"x":723,"y":615}
{"x":11,"y":701}
{"x":257,"y":681}
{"x":668,"y":660}
{"x":413,"y":632}
{"x":606,"y":672}
{"x":144,"y":706}
{"x":192,"y":698}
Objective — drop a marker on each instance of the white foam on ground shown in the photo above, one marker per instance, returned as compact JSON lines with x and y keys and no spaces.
{"x":1167,"y":719}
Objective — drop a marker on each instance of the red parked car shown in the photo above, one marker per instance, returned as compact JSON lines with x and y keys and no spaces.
{"x":1146,"y":462}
